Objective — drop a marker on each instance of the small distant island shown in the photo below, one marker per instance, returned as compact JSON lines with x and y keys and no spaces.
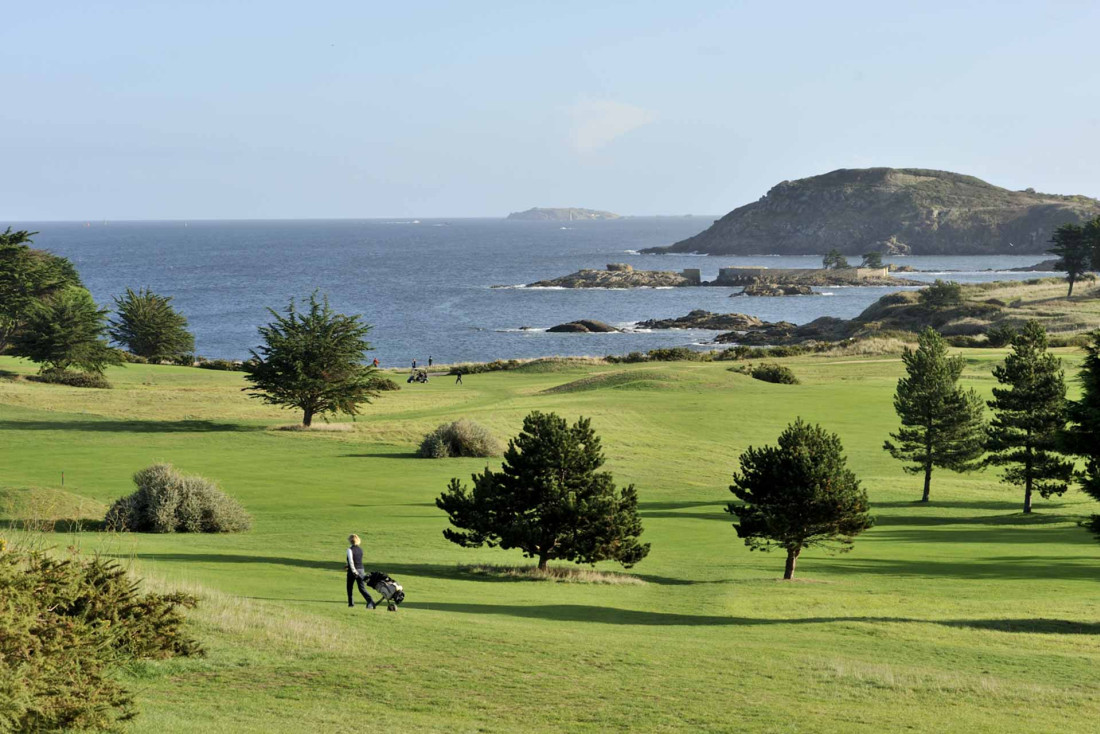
{"x":566,"y":214}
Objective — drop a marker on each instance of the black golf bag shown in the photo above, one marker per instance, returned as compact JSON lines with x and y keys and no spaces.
{"x":392,"y":593}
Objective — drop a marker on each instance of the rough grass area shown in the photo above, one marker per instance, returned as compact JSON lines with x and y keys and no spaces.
{"x":560,"y":574}
{"x":48,"y":509}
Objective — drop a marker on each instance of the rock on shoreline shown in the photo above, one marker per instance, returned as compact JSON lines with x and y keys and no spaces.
{"x":583,"y":326}
{"x":700,"y":319}
{"x":617,"y":279}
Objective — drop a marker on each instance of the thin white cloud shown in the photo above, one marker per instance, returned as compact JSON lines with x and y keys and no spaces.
{"x":596,"y":122}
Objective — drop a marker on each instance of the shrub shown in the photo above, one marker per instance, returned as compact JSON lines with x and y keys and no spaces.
{"x":72,"y":379}
{"x":460,"y":438}
{"x":167,"y":501}
{"x":476,"y":368}
{"x":69,"y":626}
{"x":1000,"y":335}
{"x":674,"y":354}
{"x":631,"y":358}
{"x":742,"y":352}
{"x":382,"y":383}
{"x":224,"y":365}
{"x":776,"y":373}
{"x":131,"y":358}
{"x":942,"y":294}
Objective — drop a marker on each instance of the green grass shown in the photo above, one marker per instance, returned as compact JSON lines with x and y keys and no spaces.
{"x":963,"y":615}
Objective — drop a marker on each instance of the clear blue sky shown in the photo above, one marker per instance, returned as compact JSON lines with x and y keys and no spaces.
{"x":191,"y":109}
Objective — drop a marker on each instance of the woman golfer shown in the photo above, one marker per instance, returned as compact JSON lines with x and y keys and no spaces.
{"x":356,"y":574}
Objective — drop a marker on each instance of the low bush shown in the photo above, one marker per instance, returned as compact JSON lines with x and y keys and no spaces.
{"x":675,"y":354}
{"x":741,"y":352}
{"x":460,"y":438}
{"x":69,"y":627}
{"x":72,"y":379}
{"x":131,"y":358}
{"x":942,"y":294}
{"x":1000,"y":335}
{"x":630,"y":358}
{"x":776,"y":373}
{"x":224,"y":365}
{"x":476,"y":368}
{"x":167,"y":501}
{"x":383,"y":384}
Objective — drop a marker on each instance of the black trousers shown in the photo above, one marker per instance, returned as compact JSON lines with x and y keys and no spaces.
{"x":353,"y":580}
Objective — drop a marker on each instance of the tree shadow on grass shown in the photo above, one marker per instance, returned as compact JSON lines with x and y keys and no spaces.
{"x":675,"y":510}
{"x":128,"y":426}
{"x":995,"y":535}
{"x":1018,"y":519}
{"x":422,"y":570}
{"x":992,"y":505}
{"x":609,"y":615}
{"x":382,"y":455}
{"x":1013,"y":568}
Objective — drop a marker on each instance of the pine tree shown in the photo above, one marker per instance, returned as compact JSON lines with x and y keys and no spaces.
{"x":798,"y":494}
{"x":149,"y":327}
{"x":1029,"y":417}
{"x":549,"y":500}
{"x":1082,"y":436}
{"x":1074,"y":251}
{"x":835,"y":260}
{"x":313,"y":360}
{"x":27,"y":276}
{"x":941,"y":424}
{"x":872,"y":260}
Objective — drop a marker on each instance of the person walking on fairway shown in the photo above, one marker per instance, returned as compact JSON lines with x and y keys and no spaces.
{"x":458,"y":378}
{"x":356,"y":574}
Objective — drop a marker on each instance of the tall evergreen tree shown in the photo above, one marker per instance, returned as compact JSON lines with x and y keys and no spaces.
{"x":550,"y":500}
{"x":798,"y":494}
{"x":1092,"y":237}
{"x":65,"y":330}
{"x":313,"y":360}
{"x":941,"y":423}
{"x":1074,"y":251}
{"x":1082,"y":436}
{"x":1029,"y":417}
{"x":150,"y":327}
{"x":27,"y":276}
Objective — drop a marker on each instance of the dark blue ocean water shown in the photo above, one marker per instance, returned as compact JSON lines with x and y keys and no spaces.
{"x":425,"y":286}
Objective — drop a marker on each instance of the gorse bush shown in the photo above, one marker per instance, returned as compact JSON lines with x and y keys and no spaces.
{"x":67,"y":627}
{"x":776,"y":373}
{"x":167,"y":501}
{"x":460,"y":438}
{"x":942,"y":294}
{"x":71,"y":378}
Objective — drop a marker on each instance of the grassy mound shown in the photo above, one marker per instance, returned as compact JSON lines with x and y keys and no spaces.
{"x":627,"y":379}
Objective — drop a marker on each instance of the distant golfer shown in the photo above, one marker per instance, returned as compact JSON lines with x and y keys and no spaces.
{"x":414,"y":364}
{"x":429,"y":360}
{"x":458,"y":378}
{"x":375,"y":363}
{"x":356,"y":574}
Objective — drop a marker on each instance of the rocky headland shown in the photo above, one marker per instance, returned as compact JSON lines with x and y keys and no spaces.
{"x":563,"y":214}
{"x":896,"y":211}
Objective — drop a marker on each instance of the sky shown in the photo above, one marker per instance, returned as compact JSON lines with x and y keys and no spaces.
{"x":269,"y":109}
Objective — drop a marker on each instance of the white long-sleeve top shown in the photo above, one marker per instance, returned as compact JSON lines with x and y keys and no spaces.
{"x":351,"y":562}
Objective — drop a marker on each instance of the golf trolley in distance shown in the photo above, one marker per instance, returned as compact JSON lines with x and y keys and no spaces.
{"x":391,"y":592}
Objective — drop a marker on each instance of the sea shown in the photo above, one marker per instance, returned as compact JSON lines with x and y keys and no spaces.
{"x":429,"y":286}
